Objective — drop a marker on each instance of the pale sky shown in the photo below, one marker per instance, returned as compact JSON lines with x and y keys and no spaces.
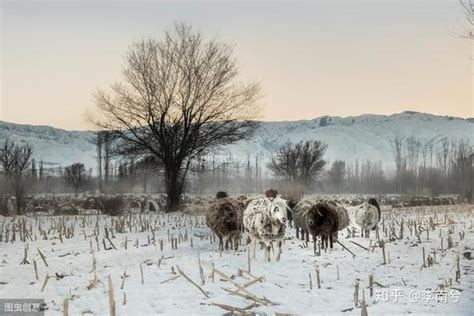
{"x":312,"y":58}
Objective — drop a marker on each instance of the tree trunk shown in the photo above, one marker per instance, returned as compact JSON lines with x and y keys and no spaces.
{"x":145,"y":179}
{"x":19,"y":197}
{"x":173,"y":189}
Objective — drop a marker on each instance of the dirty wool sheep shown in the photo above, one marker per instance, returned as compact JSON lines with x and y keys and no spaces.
{"x":225,"y":220}
{"x":265,"y":220}
{"x":367,"y":216}
{"x":320,"y":218}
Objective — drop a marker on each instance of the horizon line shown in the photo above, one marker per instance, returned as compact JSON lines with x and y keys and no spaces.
{"x":272,"y":121}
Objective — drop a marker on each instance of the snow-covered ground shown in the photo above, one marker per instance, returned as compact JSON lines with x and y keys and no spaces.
{"x":284,"y":286}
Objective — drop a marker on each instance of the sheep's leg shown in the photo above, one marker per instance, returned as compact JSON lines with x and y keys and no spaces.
{"x":331,"y":237}
{"x":307,"y":236}
{"x":297,"y":232}
{"x":279,"y":250}
{"x":325,"y":241}
{"x":221,"y":243}
{"x":267,"y":250}
{"x":254,"y":244}
{"x":227,"y":243}
{"x":314,"y":245}
{"x":367,"y":233}
{"x":235,"y":242}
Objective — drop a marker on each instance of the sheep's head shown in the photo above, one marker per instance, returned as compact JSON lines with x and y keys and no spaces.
{"x":271,"y":193}
{"x":319,"y":220}
{"x":221,"y":195}
{"x":278,"y":209}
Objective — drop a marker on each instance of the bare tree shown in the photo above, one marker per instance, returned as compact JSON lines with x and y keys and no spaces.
{"x":463,"y":168}
{"x":15,"y":161}
{"x":301,"y":162}
{"x":145,"y":167}
{"x":75,"y":175}
{"x":397,"y":148}
{"x":99,"y":143}
{"x":413,"y":146}
{"x":3,"y":195}
{"x":444,"y":150}
{"x":337,"y":174}
{"x":467,"y":27}
{"x":179,"y":97}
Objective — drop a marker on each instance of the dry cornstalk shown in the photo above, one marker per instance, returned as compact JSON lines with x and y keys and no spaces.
{"x":371,"y":285}
{"x":318,"y":279}
{"x":356,"y":293}
{"x":231,"y":309}
{"x":363,"y":311}
{"x":36,"y":269}
{"x":248,"y":284}
{"x":382,"y":245}
{"x":353,"y":254}
{"x":123,"y":277}
{"x":66,"y":307}
{"x":43,"y":257}
{"x":111,"y":298}
{"x":357,"y":244}
{"x":192,"y":282}
{"x":201,"y":271}
{"x":45,"y":282}
{"x":251,"y":296}
{"x":424,"y":257}
{"x":170,"y":279}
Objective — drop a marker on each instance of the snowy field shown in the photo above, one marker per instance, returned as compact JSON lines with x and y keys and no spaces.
{"x":163,"y":264}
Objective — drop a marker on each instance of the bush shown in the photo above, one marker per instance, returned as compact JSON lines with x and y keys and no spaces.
{"x":113,"y":206}
{"x":66,"y":210}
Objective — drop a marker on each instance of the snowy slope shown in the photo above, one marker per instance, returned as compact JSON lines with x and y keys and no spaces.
{"x":56,"y":147}
{"x":365,"y":137}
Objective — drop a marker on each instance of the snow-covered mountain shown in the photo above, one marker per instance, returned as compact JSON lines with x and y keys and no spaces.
{"x":364,"y":137}
{"x":55,"y":147}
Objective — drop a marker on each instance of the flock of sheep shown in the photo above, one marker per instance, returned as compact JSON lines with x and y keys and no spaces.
{"x":265,"y":219}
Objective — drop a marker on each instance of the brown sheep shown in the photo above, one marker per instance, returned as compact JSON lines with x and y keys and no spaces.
{"x":225,"y":220}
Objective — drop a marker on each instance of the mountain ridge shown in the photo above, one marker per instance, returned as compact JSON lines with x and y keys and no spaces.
{"x":362,"y":137}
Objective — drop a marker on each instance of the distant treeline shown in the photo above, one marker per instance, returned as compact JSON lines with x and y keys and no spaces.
{"x":443,"y":168}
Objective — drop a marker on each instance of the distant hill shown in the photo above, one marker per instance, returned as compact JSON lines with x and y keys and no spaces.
{"x":364,"y":137}
{"x":56,"y":147}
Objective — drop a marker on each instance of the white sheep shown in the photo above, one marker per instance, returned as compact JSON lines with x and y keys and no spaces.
{"x":367,"y":215}
{"x":265,"y":220}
